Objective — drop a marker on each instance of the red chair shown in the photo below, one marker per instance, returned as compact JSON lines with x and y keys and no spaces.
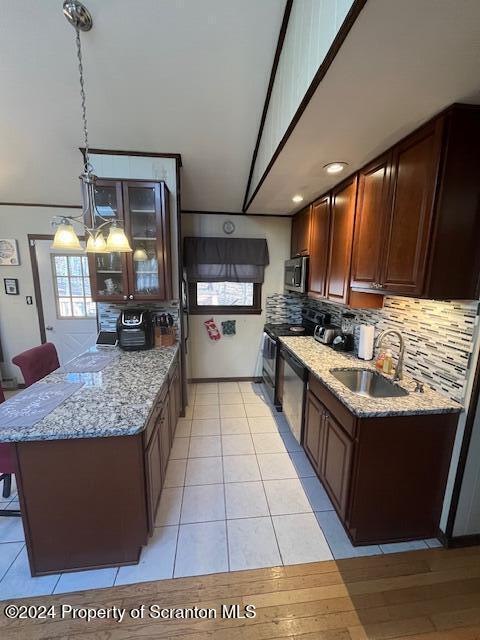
{"x":37,"y":363}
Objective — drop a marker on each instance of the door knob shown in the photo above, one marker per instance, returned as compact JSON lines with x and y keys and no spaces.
{"x":48,"y":328}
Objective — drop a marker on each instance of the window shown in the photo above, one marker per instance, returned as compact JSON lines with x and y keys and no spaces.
{"x":225,"y":297}
{"x":225,"y":275}
{"x":72,"y":287}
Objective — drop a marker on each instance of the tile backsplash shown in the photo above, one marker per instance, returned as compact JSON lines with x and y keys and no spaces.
{"x":439,"y":335}
{"x":108,"y":313}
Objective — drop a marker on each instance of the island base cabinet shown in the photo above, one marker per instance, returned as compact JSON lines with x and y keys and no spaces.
{"x":83,"y":502}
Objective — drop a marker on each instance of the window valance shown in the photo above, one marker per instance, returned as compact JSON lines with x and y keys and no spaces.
{"x":225,"y":259}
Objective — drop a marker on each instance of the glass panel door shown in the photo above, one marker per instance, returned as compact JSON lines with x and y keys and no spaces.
{"x":144,"y":215}
{"x":109,"y":270}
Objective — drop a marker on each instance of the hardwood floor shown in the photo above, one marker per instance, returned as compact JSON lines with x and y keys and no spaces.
{"x":422,"y":595}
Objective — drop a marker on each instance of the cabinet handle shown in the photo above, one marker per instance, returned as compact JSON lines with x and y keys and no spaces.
{"x":130,"y":297}
{"x":125,"y":297}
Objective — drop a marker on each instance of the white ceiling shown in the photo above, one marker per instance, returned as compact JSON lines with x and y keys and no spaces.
{"x":402,"y":62}
{"x":179,"y":76}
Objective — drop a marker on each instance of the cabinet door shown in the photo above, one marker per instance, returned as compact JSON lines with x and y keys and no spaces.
{"x":147,"y":218}
{"x":314,"y":429}
{"x":372,"y":207}
{"x":341,"y":237}
{"x":154,"y":477}
{"x":165,"y":436}
{"x":337,"y":463}
{"x":300,"y":233}
{"x":108,"y":271}
{"x":319,"y":245}
{"x":173,"y":402}
{"x":414,"y":176}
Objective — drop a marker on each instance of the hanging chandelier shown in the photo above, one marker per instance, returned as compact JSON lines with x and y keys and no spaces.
{"x":65,"y":235}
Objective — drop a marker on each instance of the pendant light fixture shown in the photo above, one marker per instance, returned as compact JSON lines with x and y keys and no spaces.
{"x":65,"y":236}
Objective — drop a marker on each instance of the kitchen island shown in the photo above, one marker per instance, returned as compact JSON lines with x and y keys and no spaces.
{"x":90,"y":473}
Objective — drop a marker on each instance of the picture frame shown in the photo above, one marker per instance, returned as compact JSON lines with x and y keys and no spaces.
{"x":11,"y":286}
{"x":9,"y":253}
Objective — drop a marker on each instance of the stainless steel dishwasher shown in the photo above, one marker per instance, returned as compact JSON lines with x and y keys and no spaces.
{"x":295,"y":377}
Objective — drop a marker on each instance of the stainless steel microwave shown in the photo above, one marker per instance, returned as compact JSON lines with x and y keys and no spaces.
{"x":295,"y":275}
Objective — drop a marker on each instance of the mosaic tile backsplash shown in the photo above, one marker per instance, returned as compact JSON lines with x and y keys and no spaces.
{"x":439,"y":336}
{"x":108,"y":313}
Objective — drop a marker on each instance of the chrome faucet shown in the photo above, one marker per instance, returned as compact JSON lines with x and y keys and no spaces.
{"x":378,"y":343}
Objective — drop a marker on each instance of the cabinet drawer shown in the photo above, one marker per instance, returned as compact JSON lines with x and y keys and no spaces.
{"x":346,"y":419}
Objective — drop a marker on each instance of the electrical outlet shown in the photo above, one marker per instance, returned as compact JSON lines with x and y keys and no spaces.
{"x":29,"y":299}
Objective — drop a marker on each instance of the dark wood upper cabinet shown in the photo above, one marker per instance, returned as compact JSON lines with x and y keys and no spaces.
{"x":108,"y":271}
{"x":300,"y":238}
{"x":422,"y":240}
{"x":148,"y":223}
{"x":372,"y":205}
{"x":341,"y":236}
{"x":319,"y":247}
{"x":414,"y":175}
{"x":143,"y":209}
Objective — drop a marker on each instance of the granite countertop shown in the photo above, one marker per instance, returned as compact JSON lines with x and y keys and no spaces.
{"x":319,"y":359}
{"x":113,"y":402}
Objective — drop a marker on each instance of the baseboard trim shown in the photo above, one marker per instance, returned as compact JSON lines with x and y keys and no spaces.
{"x":247,"y":379}
{"x":464,"y":541}
{"x":443,"y":538}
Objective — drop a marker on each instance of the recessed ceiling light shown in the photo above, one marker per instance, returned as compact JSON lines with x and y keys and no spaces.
{"x":297,"y":198}
{"x":335,"y":167}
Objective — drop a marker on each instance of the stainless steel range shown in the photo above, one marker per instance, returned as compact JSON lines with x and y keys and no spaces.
{"x":271,"y":333}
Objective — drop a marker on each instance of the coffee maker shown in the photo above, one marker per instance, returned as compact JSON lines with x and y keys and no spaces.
{"x":135,"y":329}
{"x":345,"y":341}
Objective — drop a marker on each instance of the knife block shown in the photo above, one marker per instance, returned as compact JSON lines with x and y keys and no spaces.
{"x":165,"y":339}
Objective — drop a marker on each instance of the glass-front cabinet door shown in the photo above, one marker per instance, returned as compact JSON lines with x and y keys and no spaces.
{"x":141,"y":208}
{"x":108,"y":270}
{"x":146,"y":216}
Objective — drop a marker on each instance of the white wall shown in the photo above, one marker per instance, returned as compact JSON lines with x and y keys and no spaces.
{"x":312,"y":27}
{"x":467,"y":521}
{"x":19,"y":321}
{"x":236,"y":356}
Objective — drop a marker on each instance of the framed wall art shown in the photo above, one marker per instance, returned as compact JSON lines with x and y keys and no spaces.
{"x":11,"y":286}
{"x":9,"y":253}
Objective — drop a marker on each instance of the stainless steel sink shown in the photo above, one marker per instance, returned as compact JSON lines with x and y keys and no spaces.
{"x":368,"y":383}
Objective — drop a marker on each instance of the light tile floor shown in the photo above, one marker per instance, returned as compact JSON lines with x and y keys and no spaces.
{"x":239,"y":493}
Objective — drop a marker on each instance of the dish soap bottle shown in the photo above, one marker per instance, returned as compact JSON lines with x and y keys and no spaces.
{"x":388,"y":362}
{"x":379,"y":361}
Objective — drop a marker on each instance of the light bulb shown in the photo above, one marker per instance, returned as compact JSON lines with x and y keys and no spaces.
{"x":96,"y":244}
{"x":297,"y":198}
{"x":335,"y":167}
{"x":140,"y":255}
{"x":117,"y":240}
{"x":65,"y":237}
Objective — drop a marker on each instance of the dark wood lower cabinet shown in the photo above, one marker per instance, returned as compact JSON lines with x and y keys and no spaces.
{"x":91,"y":502}
{"x":153,"y":474}
{"x":314,"y":429}
{"x":385,"y":476}
{"x":337,"y":463}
